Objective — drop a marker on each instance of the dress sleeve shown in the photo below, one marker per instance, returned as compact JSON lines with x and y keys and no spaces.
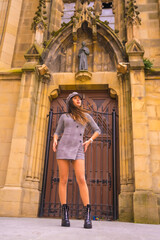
{"x":60,"y":126}
{"x":93,"y":124}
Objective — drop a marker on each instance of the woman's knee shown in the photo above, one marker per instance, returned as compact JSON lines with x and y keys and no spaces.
{"x":81,"y":180}
{"x":63,"y":180}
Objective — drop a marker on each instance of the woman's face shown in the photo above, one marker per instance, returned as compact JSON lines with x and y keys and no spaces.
{"x":77,"y":101}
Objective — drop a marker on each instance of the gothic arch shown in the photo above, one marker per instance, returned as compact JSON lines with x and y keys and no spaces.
{"x":60,"y":51}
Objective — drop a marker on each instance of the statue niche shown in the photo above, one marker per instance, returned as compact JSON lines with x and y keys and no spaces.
{"x":61,"y":60}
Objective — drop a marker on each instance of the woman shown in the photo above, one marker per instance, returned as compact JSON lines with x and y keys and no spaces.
{"x":71,"y":147}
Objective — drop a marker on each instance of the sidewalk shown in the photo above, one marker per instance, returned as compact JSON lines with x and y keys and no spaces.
{"x":50,"y":229}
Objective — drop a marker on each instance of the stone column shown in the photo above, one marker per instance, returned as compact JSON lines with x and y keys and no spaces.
{"x":126,"y":155}
{"x":119,"y":12}
{"x":144,"y":200}
{"x":10,"y":34}
{"x":34,"y":170}
{"x":74,"y":56}
{"x":13,"y":193}
{"x":159,"y":11}
{"x":20,"y":195}
{"x":94,"y":56}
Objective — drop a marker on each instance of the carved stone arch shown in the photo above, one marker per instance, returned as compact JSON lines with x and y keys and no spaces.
{"x":52,"y":53}
{"x":106,"y":51}
{"x":113,"y":40}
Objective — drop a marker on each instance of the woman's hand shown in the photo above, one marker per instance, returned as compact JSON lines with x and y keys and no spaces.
{"x":54,"y":145}
{"x":86,"y":144}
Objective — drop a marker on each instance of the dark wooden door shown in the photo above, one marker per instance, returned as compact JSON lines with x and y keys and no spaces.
{"x":98,"y":161}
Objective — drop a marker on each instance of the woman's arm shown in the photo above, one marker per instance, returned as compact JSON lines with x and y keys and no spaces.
{"x":94,"y":136}
{"x":58,"y":131}
{"x":96,"y":133}
{"x":60,"y":126}
{"x":55,"y":139}
{"x":93,"y":124}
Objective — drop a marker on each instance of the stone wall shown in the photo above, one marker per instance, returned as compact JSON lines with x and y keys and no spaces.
{"x":10,"y":34}
{"x":3,"y":13}
{"x":25,"y":36}
{"x":149,"y":31}
{"x":23,"y":150}
{"x":9,"y":93}
{"x":153,"y":111}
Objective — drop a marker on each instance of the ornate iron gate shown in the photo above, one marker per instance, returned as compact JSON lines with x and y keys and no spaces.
{"x":102,"y":165}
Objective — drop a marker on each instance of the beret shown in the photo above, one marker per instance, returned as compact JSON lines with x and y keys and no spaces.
{"x":71,"y":95}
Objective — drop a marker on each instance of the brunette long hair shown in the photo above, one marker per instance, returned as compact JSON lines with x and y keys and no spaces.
{"x":77,"y":113}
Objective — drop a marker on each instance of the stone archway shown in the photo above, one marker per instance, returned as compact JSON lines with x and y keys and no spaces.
{"x":63,"y":49}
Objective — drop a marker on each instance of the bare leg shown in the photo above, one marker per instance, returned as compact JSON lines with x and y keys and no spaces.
{"x":63,"y":175}
{"x":79,"y":168}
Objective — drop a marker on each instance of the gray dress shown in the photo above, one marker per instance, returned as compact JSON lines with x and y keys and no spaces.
{"x":70,"y":145}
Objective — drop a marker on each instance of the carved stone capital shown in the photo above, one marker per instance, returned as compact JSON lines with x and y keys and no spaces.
{"x":83,"y":76}
{"x":112,"y":93}
{"x":122,"y":68}
{"x":54,"y":94}
{"x":44,"y":74}
{"x":43,"y":69}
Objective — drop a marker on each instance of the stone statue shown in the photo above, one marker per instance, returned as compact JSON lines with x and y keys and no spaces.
{"x":83,"y":52}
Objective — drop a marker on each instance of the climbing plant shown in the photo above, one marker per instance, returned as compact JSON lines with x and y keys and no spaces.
{"x":147,"y":64}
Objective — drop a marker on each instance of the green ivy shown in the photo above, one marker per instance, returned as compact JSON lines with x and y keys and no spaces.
{"x":147,"y":64}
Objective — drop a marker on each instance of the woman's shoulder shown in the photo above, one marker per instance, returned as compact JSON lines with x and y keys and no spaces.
{"x":88,"y":116}
{"x":65,"y":115}
{"x":62,"y":116}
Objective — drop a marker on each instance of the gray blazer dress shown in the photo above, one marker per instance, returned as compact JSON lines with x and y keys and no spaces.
{"x":70,"y":145}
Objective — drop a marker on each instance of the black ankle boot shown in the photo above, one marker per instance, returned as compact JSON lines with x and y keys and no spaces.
{"x":87,"y":216}
{"x":65,"y":216}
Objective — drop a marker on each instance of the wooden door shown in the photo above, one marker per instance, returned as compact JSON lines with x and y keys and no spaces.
{"x":98,"y":161}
